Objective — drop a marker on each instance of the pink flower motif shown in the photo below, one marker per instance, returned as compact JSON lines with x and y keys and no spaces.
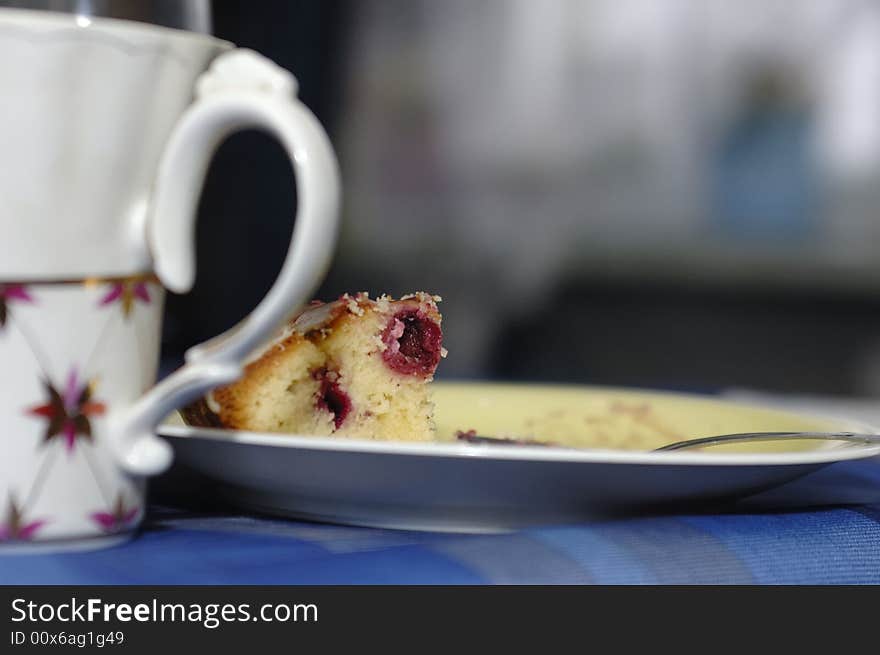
{"x":10,"y":292}
{"x":68,"y":413}
{"x":118,"y":518}
{"x":16,"y":528}
{"x":127,"y":291}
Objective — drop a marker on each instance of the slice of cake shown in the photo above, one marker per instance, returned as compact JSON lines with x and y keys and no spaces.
{"x":352,"y":368}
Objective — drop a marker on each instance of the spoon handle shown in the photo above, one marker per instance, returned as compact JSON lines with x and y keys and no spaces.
{"x":770,"y":436}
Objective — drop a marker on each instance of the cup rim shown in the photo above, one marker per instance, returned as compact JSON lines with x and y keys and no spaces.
{"x":119,"y":26}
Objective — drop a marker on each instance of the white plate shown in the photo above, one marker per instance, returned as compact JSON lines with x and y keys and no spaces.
{"x":463,"y":487}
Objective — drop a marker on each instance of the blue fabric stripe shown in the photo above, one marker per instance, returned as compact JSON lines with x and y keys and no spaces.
{"x":679,"y":553}
{"x":164,"y":557}
{"x":206,"y":557}
{"x":599,"y":554}
{"x":407,"y":565}
{"x":514,"y":559}
{"x":827,"y":547}
{"x":650,"y":551}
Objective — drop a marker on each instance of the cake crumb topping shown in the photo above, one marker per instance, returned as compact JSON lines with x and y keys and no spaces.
{"x":354,"y":304}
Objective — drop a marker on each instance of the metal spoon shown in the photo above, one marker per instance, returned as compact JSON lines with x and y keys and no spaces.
{"x":770,"y":436}
{"x":701,"y":442}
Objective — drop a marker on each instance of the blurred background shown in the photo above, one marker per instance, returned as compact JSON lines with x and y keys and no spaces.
{"x":678,"y":193}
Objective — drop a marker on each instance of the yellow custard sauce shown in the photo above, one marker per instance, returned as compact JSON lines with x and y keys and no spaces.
{"x":606,"y":418}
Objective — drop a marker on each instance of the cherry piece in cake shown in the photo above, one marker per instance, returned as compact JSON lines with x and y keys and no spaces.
{"x":330,"y":397}
{"x":413,"y":342}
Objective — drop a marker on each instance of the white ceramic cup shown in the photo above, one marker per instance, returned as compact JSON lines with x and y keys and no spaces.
{"x":106,"y":131}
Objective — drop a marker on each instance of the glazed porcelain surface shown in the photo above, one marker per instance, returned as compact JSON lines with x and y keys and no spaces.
{"x":456,"y":486}
{"x":78,"y":351}
{"x":107,"y":128}
{"x":87,"y":111}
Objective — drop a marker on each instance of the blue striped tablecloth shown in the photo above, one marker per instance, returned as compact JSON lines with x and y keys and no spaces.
{"x":824,"y":528}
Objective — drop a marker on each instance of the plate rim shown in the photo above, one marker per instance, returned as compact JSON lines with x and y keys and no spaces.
{"x":517,"y":453}
{"x":823,"y":455}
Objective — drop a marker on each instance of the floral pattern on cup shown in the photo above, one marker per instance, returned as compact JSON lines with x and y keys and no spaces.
{"x":64,"y":417}
{"x":68,"y":413}
{"x":15,"y":527}
{"x":12,"y":293}
{"x":127,"y":292}
{"x":120,"y":517}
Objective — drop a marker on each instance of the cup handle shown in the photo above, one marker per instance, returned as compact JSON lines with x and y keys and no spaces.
{"x":240,"y":90}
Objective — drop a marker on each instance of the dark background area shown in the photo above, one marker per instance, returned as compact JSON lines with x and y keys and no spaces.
{"x":658,"y":313}
{"x":249,"y":199}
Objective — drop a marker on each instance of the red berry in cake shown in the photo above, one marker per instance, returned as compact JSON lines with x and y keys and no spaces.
{"x":413,"y":343}
{"x":330,"y":397}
